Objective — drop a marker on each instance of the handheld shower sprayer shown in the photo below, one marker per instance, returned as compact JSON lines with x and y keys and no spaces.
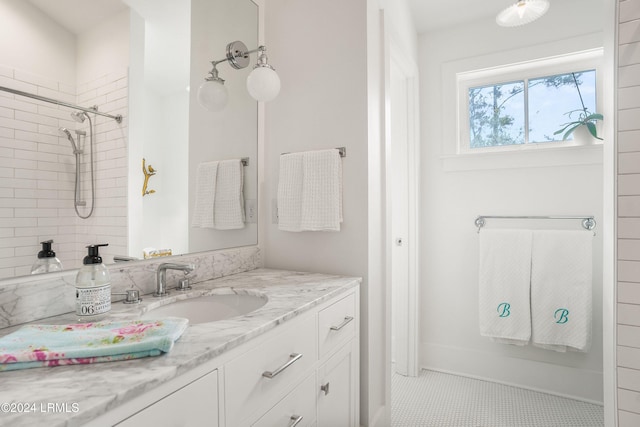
{"x":80,"y":117}
{"x":65,"y":132}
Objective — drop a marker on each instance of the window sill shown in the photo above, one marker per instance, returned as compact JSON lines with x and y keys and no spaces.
{"x":526,"y":158}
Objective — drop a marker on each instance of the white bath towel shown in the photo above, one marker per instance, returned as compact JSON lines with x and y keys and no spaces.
{"x":505,"y":266}
{"x":321,"y":191}
{"x":205,"y":195}
{"x":228,"y":208}
{"x":290,"y":192}
{"x":310,"y":191}
{"x":561,"y":288}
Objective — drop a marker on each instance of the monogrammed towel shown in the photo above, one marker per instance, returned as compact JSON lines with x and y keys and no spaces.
{"x":505,"y":266}
{"x":561,"y":287}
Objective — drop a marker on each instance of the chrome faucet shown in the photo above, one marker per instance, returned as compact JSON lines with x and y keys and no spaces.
{"x":161,"y":276}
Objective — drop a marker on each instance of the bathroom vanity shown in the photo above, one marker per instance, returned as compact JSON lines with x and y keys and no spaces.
{"x":293,"y":361}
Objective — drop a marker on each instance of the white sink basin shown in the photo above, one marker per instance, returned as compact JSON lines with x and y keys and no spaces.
{"x":209,"y":308}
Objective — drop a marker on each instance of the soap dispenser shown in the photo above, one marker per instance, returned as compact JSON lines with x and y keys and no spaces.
{"x":93,"y":287}
{"x":47,"y":261}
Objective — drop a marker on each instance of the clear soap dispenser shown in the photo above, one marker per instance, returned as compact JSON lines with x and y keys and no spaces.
{"x":47,"y":261}
{"x":93,"y":287}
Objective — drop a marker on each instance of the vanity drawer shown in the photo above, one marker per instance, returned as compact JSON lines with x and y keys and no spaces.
{"x":247,"y":382}
{"x":336,"y":324}
{"x":299,"y":405}
{"x":194,"y":405}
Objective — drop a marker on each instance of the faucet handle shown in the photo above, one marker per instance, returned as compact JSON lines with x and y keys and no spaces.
{"x":132,"y":296}
{"x":184,"y":284}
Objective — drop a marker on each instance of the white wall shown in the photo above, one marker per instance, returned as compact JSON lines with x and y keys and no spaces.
{"x":337,"y":99}
{"x":104,"y":48}
{"x":31,"y":41}
{"x":451,"y":199}
{"x":322,"y":104}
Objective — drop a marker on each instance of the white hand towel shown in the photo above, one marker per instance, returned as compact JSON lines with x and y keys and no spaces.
{"x":290,"y":192}
{"x":561,"y":288}
{"x":228,"y":210}
{"x":321,"y":191}
{"x":205,"y":195}
{"x":505,"y":266}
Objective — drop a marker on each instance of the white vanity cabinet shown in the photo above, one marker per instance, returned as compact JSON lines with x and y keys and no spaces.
{"x":314,"y":367}
{"x":269,"y":369}
{"x":338,"y":374}
{"x":337,"y":389}
{"x":194,"y":405}
{"x":304,"y":372}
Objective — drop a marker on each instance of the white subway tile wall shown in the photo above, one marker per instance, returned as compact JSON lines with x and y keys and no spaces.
{"x":628,"y":152}
{"x":37,"y":170}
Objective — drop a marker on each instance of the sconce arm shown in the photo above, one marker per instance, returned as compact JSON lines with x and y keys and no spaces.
{"x":237,"y":55}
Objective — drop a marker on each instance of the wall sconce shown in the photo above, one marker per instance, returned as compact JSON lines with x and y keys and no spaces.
{"x":263,"y":82}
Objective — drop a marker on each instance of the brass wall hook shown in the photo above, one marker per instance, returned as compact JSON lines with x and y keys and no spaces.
{"x":148,"y":172}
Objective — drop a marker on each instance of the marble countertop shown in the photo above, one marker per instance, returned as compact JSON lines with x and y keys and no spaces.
{"x":95,"y":389}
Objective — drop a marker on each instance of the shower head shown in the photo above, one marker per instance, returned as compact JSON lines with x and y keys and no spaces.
{"x":78,"y":116}
{"x":65,"y":132}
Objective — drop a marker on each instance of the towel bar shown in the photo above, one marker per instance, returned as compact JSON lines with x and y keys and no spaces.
{"x":588,"y":221}
{"x":341,"y":150}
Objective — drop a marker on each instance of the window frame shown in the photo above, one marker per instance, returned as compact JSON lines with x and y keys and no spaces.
{"x":550,"y":66}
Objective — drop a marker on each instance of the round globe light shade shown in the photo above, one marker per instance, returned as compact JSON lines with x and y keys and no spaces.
{"x":213,"y":95}
{"x":263,"y":84}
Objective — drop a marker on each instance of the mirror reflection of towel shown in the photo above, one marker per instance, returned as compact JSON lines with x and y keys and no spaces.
{"x":206,"y":176}
{"x":228,"y":207}
{"x":219,"y":201}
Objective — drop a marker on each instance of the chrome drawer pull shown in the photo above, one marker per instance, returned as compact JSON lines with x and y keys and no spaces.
{"x":295,"y":420}
{"x":343,"y":324}
{"x":293,"y":358}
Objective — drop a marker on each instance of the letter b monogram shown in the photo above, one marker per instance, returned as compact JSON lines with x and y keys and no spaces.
{"x":504,"y":309}
{"x":561,"y":316}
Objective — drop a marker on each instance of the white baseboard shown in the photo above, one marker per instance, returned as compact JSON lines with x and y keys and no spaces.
{"x":564,"y":381}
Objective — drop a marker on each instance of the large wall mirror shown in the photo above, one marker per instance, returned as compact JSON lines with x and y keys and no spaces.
{"x":144,"y":60}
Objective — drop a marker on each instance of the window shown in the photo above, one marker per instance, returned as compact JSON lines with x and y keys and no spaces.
{"x":525,"y":105}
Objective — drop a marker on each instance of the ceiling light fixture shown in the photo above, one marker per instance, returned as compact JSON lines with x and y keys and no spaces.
{"x":522,"y":12}
{"x":263,"y":82}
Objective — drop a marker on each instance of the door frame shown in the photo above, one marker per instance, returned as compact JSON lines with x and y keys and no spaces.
{"x":409,"y":69}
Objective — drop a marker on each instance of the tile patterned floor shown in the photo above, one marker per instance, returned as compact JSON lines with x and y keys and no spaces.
{"x":435,"y":399}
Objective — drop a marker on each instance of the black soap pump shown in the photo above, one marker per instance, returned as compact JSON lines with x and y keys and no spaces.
{"x":93,"y":287}
{"x":47,"y":261}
